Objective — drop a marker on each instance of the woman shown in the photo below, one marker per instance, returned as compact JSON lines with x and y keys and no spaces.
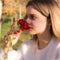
{"x":43,"y":16}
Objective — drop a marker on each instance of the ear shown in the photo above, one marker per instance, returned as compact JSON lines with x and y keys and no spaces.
{"x":55,"y":19}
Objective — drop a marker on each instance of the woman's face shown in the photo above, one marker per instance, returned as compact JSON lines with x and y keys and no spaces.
{"x":36,"y":21}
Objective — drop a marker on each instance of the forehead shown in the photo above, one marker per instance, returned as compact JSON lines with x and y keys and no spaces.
{"x":31,"y":10}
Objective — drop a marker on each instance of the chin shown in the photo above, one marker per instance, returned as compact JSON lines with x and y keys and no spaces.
{"x":35,"y":32}
{"x":32,"y":32}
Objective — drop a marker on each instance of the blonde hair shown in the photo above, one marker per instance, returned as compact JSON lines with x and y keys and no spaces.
{"x":58,"y":1}
{"x":55,"y":19}
{"x":48,"y":7}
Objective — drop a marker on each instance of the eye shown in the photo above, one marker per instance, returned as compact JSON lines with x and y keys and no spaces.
{"x":32,"y":17}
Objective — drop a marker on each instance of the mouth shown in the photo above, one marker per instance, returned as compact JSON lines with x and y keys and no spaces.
{"x":30,"y":27}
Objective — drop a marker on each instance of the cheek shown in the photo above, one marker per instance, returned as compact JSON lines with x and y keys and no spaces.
{"x":40,"y":26}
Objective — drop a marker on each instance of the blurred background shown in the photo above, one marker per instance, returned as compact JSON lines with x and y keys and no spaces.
{"x":12,"y":10}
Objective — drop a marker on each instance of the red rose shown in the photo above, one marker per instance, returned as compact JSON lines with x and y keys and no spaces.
{"x":24,"y":24}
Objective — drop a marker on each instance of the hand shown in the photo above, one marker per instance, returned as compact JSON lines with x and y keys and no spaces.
{"x":12,"y":37}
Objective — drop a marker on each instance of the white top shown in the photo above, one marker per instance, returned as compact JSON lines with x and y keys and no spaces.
{"x":29,"y":51}
{"x":12,"y":55}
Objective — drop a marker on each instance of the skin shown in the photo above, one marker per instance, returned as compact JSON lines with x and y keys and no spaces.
{"x":39,"y":25}
{"x":36,"y":21}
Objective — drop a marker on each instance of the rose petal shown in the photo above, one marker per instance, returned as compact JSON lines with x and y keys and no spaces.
{"x":24,"y":24}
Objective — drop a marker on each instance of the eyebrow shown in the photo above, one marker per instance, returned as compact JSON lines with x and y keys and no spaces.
{"x":32,"y":14}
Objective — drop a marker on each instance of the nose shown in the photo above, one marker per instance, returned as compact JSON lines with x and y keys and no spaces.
{"x":28,"y":21}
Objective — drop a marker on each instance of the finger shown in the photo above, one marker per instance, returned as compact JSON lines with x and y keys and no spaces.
{"x":17,"y":31}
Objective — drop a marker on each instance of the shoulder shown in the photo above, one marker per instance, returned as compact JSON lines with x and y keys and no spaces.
{"x":56,"y":42}
{"x":26,"y":45}
{"x":58,"y":47}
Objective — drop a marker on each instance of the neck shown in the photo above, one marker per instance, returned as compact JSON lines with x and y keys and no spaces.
{"x":43,"y":40}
